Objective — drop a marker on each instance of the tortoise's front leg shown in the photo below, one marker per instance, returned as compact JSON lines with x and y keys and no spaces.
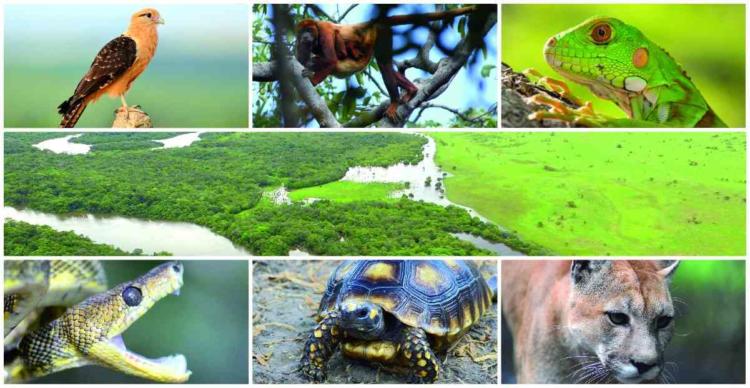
{"x":423,"y":363}
{"x":319,"y":347}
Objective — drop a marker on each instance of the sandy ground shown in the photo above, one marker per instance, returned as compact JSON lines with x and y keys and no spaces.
{"x":285,"y":296}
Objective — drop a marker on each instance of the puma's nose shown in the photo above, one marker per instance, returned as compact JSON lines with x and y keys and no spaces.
{"x":642,"y":366}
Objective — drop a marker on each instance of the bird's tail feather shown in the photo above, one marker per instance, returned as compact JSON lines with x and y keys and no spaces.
{"x":71,"y":109}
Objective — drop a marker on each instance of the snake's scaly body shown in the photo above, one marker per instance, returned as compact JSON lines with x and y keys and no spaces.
{"x":88,"y":332}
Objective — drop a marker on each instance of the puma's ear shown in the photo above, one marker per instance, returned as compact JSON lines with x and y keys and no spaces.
{"x":668,"y":268}
{"x":583,"y":270}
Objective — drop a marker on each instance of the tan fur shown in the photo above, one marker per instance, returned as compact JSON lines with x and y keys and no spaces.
{"x":559,"y":323}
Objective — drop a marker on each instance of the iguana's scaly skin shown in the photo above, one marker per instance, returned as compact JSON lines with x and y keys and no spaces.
{"x":90,"y":332}
{"x":618,"y":63}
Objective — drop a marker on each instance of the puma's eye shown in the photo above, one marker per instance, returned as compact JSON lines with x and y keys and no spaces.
{"x":601,"y":33}
{"x":663,"y":321}
{"x":618,"y":319}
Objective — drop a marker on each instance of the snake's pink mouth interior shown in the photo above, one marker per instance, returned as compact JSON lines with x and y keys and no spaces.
{"x":175,"y":364}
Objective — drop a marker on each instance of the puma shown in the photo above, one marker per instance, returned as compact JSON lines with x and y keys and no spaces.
{"x":588,"y":321}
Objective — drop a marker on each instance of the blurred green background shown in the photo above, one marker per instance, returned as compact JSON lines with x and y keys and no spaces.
{"x":708,"y":345}
{"x":198,"y":77}
{"x":207,"y":322}
{"x":708,"y":40}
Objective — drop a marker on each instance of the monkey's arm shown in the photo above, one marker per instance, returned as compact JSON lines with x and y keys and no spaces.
{"x":324,"y":64}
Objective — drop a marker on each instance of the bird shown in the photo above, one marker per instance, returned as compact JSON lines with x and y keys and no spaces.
{"x":116,"y":66}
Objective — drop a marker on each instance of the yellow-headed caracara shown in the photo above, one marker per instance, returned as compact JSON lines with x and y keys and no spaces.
{"x":116,"y":66}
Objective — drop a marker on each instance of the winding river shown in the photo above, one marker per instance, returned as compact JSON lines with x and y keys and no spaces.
{"x":425,"y":183}
{"x":63,"y":145}
{"x":128,"y":233}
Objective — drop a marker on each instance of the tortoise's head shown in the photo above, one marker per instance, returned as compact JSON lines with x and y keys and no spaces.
{"x":362,"y":319}
{"x":98,"y":323}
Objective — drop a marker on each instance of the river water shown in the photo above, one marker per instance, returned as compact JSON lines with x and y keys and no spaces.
{"x":425,"y":183}
{"x":63,"y":145}
{"x":128,"y":234}
{"x":179,"y":141}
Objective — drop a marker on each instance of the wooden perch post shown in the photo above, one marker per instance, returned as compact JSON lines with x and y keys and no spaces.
{"x":135,"y":117}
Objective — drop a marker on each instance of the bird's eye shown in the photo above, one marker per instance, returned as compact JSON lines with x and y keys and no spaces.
{"x":148,"y":15}
{"x":601,"y":33}
{"x":132,"y":296}
{"x":663,"y":321}
{"x":618,"y":319}
{"x":362,"y":313}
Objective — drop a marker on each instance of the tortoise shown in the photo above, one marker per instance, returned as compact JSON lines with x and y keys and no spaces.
{"x":398,"y":312}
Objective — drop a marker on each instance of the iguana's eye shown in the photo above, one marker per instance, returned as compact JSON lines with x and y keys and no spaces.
{"x":618,"y":319}
{"x":601,"y":33}
{"x":663,"y":321}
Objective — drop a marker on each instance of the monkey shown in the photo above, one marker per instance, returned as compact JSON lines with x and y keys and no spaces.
{"x":326,"y":48}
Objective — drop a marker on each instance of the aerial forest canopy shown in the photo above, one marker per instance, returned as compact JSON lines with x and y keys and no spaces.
{"x":219,"y":182}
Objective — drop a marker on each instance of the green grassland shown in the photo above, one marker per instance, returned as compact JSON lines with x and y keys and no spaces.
{"x":707,"y":40}
{"x":343,"y":191}
{"x":605,"y":193}
{"x":173,"y":100}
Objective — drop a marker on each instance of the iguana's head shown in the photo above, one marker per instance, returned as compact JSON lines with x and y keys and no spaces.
{"x":603,"y":53}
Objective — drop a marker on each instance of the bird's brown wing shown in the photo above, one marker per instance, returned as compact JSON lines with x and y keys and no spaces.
{"x":111,"y":62}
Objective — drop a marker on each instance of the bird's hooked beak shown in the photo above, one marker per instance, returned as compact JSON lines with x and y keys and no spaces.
{"x":158,"y":20}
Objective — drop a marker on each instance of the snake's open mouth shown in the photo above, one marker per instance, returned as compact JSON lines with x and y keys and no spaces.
{"x":175,"y":365}
{"x":132,"y":300}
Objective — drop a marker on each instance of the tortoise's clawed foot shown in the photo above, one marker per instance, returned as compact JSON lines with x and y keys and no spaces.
{"x":323,"y":340}
{"x":423,"y":362}
{"x":313,"y":373}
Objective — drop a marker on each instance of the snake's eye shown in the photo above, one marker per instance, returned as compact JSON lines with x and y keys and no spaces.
{"x":601,"y":33}
{"x":132,"y":296}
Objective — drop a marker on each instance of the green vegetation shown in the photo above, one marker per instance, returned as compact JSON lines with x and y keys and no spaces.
{"x":605,"y":193}
{"x":710,"y":302}
{"x":708,"y":40}
{"x":218,"y":182}
{"x":22,"y":239}
{"x":341,"y":191}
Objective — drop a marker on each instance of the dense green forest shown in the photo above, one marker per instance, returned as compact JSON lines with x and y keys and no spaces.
{"x":219,"y":182}
{"x":22,"y":239}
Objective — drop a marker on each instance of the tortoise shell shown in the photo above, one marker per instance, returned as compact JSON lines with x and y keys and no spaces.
{"x":443,"y":297}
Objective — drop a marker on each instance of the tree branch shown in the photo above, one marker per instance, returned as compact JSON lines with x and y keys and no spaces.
{"x":446,"y":69}
{"x":135,"y":117}
{"x":430,"y":88}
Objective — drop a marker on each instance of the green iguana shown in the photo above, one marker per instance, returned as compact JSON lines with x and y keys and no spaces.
{"x":618,"y":63}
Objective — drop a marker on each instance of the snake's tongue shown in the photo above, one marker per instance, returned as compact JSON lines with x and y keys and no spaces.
{"x":167,"y":369}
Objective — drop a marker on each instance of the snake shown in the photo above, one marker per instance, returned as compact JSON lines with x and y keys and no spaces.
{"x":60,"y":314}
